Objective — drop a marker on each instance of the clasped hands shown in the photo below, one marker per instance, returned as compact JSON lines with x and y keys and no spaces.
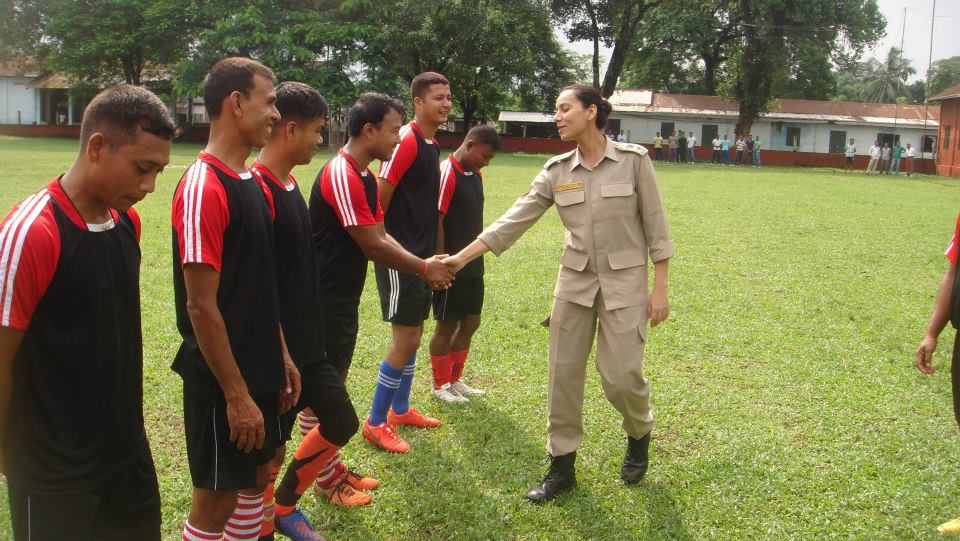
{"x":441,"y":269}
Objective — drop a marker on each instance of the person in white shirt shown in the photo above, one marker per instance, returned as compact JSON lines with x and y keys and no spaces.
{"x":909,"y":153}
{"x":622,"y":137}
{"x":848,"y":155}
{"x":716,"y":149}
{"x":692,"y":145}
{"x":874,"y":157}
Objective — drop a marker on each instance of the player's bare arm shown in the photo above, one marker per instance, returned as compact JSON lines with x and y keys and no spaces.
{"x":9,"y":344}
{"x":245,"y":418}
{"x":291,"y":391}
{"x":923,"y":358}
{"x":386,"y":194}
{"x":377,"y":245}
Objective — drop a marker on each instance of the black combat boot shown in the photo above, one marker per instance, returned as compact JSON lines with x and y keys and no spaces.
{"x":635,"y":461}
{"x":559,"y":478}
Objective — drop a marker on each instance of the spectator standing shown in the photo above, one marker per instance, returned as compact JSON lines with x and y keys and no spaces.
{"x":848,"y":155}
{"x":716,"y":149}
{"x":692,"y":145}
{"x":682,"y":148}
{"x":910,"y":154}
{"x":658,"y":147}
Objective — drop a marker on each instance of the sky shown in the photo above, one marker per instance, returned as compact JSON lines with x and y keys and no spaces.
{"x":916,"y":32}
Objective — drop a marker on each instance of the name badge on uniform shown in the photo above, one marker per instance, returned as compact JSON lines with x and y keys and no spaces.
{"x":568,"y":186}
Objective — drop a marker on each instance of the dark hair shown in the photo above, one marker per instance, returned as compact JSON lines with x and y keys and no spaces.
{"x":118,"y":111}
{"x":587,"y":96}
{"x":485,"y":134}
{"x":421,"y":83}
{"x":371,"y":108}
{"x":297,"y":101}
{"x":234,"y":74}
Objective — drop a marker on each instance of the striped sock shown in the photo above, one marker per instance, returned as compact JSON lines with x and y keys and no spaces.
{"x":266,"y":529}
{"x":388,"y":381}
{"x":307,"y":422}
{"x":442,"y":369}
{"x":331,"y":472}
{"x":194,"y":534}
{"x":401,"y":401}
{"x":458,"y":359}
{"x":247,"y":518}
{"x":313,"y":453}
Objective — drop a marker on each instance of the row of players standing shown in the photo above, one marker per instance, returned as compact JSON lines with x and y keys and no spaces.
{"x":250,"y":295}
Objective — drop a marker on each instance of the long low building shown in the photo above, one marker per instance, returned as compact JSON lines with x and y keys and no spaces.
{"x":790,"y":125}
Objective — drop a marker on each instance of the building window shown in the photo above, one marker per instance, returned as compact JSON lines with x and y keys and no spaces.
{"x":793,"y":136}
{"x":929,"y":142}
{"x":885,"y":138}
{"x":838,"y":141}
{"x":946,"y":137}
{"x":666,"y":128}
{"x":709,"y":133}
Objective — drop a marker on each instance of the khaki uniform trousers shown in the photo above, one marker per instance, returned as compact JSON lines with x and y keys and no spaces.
{"x":619,"y":361}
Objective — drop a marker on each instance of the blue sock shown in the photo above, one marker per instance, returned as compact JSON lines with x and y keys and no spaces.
{"x":401,"y":401}
{"x":388,"y":380}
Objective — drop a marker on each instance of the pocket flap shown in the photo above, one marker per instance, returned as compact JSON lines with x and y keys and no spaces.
{"x":619,"y":189}
{"x":627,"y":259}
{"x":569,"y":197}
{"x":572,"y":259}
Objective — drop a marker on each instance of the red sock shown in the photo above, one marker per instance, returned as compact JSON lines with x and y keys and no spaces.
{"x":247,"y":519}
{"x":458,"y":361}
{"x":313,"y":453}
{"x":193,"y":534}
{"x":441,"y":370}
{"x":331,"y":473}
{"x":267,"y":527}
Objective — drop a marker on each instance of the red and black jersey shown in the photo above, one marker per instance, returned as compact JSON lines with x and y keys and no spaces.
{"x":461,"y":200}
{"x":951,"y":254}
{"x":297,"y":285}
{"x":224,"y":219}
{"x":342,"y":196}
{"x":76,"y":405}
{"x":414,"y":171}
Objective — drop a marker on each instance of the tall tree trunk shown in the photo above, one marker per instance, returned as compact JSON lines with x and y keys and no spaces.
{"x":596,"y":45}
{"x":630,"y":19}
{"x":762,"y":57}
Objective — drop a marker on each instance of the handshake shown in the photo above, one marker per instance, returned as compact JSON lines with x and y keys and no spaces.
{"x":440,"y":270}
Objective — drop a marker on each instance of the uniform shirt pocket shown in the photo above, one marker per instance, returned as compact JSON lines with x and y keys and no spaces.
{"x":627,"y":258}
{"x":571,"y":206}
{"x":618,"y":199}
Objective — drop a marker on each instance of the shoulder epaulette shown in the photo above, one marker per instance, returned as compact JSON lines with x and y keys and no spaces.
{"x":630,"y":147}
{"x":558,"y":158}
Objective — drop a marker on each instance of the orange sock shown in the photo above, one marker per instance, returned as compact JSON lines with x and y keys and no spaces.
{"x":312,"y":454}
{"x":267,"y":528}
{"x":458,"y":359}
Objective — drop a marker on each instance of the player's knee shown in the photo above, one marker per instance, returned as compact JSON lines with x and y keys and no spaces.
{"x":341,"y":428}
{"x":264,"y":472}
{"x":470,"y":325}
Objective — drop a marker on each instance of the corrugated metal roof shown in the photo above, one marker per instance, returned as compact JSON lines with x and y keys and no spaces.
{"x":630,"y":101}
{"x":523,"y":116}
{"x":17,"y":68}
{"x":952,"y":92}
{"x":54,"y":80}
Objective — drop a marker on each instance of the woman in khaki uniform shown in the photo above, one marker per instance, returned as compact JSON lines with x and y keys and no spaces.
{"x":607,"y":196}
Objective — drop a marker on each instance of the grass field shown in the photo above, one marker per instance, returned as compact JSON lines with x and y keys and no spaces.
{"x":787,"y":404}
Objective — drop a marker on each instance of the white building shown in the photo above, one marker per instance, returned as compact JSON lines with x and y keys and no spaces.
{"x":801,"y":125}
{"x":19,"y":104}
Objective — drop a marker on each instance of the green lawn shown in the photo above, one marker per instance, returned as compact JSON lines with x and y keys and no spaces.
{"x":786,"y":400}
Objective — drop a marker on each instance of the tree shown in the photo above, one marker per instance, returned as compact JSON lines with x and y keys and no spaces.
{"x":682,"y":46}
{"x":500,"y":56}
{"x":314,"y":42}
{"x":787,"y":42}
{"x":887,"y":81}
{"x":611,"y":22}
{"x":944,"y":73}
{"x":100,"y":42}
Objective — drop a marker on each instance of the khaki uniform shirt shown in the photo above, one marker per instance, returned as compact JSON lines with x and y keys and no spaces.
{"x":614,"y":218}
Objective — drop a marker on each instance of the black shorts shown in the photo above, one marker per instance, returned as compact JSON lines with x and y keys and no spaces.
{"x":125,"y":508}
{"x":215,"y":461}
{"x":404,"y":298}
{"x":340,"y":328}
{"x":322,"y":390}
{"x":849,"y":159}
{"x":464,"y":298}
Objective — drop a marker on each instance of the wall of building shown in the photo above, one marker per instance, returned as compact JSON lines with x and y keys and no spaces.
{"x":948,"y":148}
{"x":18,"y":104}
{"x":773,"y":135}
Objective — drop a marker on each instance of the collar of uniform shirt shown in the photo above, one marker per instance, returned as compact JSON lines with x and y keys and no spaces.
{"x":609,"y":151}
